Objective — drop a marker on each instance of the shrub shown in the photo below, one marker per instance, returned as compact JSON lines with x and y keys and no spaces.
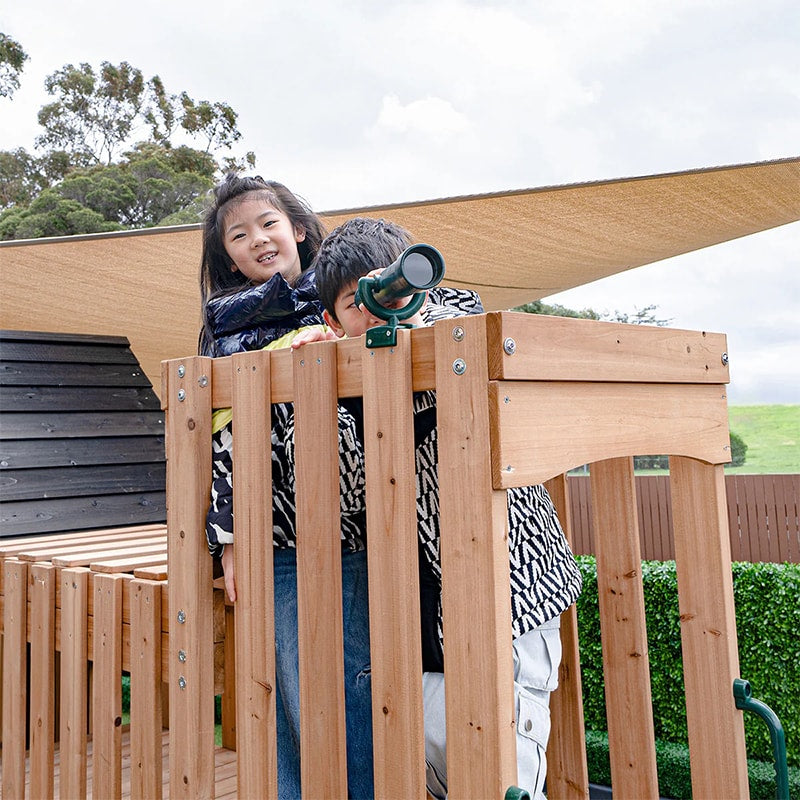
{"x":738,"y":450}
{"x":767,"y":621}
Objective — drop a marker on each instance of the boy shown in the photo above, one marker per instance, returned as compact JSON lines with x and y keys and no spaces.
{"x":544,"y":577}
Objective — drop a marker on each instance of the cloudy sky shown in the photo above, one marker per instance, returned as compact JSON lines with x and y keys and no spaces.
{"x":356,"y":102}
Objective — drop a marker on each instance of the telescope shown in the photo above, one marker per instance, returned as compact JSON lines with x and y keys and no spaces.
{"x":418,"y":268}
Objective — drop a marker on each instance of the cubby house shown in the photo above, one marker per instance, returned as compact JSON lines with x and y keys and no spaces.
{"x":617,"y":390}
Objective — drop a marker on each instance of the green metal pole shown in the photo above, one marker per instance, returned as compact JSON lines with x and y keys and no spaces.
{"x":742,"y":694}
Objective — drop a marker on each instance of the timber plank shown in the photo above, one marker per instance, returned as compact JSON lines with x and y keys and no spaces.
{"x":81,"y":513}
{"x":77,"y":398}
{"x":57,"y":424}
{"x":323,"y":749}
{"x":23,"y":454}
{"x":56,"y":482}
{"x":42,"y":373}
{"x":397,"y":723}
{"x":256,"y":741}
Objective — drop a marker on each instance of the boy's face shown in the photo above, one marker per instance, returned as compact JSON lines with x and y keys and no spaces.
{"x":352,"y":321}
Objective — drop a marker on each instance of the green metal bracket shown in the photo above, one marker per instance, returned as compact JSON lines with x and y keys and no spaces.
{"x":386,"y":335}
{"x":742,"y":694}
{"x":515,"y":793}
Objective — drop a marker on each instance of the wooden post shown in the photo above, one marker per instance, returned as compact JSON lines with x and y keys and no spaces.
{"x":256,"y":749}
{"x":626,"y":667}
{"x":481,"y":744}
{"x":708,"y":629}
{"x":187,"y":398}
{"x":42,"y":698}
{"x":146,"y":719}
{"x":323,"y":746}
{"x":107,"y":687}
{"x":397,"y":721}
{"x":567,"y":769}
{"x":15,"y":669}
{"x":74,"y":681}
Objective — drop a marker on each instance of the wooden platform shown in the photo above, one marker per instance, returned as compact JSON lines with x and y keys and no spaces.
{"x":224,"y":772}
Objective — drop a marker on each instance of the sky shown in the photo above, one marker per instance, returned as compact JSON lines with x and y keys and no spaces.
{"x":355,"y":103}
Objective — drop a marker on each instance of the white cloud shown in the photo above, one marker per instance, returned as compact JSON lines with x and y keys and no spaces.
{"x":433,"y":118}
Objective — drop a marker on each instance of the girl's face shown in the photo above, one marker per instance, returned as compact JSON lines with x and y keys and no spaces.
{"x":261,"y":241}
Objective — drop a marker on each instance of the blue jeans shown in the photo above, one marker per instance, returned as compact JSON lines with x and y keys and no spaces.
{"x":357,"y":675}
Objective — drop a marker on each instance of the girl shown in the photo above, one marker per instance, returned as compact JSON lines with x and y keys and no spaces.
{"x":257,"y":289}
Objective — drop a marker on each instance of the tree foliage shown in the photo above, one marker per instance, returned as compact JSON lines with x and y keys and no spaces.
{"x":12,"y":62}
{"x":107,"y":157}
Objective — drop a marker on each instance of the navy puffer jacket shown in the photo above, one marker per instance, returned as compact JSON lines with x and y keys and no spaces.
{"x":252,"y":318}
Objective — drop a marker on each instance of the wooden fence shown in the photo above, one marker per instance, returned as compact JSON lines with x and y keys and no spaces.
{"x":763,"y":517}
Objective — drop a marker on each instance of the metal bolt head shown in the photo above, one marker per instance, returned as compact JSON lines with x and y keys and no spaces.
{"x":181,"y":656}
{"x":181,"y":371}
{"x":459,"y":366}
{"x":724,"y":359}
{"x":203,"y":381}
{"x":458,"y":333}
{"x":509,"y":346}
{"x":181,"y":395}
{"x":181,"y":617}
{"x":182,"y":682}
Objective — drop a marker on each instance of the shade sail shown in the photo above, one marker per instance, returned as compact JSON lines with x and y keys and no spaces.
{"x":512,"y":247}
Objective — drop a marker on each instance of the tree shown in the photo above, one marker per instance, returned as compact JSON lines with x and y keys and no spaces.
{"x":92,"y":115}
{"x":12,"y":62}
{"x":215,"y":122}
{"x":50,"y":214}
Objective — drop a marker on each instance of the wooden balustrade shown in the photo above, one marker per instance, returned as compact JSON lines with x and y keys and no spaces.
{"x":521,"y":399}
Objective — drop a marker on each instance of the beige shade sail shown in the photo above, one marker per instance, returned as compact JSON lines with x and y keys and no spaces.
{"x":512,"y":247}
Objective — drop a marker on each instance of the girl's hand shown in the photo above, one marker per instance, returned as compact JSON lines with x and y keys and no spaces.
{"x":313,"y":335}
{"x":227,"y":569}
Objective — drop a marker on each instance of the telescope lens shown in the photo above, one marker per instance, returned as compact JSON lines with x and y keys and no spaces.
{"x":418,"y":269}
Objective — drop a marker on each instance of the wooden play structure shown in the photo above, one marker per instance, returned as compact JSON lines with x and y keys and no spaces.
{"x":521,"y":399}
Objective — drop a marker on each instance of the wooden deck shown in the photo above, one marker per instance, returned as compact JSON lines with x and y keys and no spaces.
{"x":224,"y":772}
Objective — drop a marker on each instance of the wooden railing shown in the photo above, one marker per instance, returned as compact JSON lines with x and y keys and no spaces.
{"x":521,"y":399}
{"x":763,"y":517}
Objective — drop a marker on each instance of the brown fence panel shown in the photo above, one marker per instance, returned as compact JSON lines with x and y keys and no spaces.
{"x":762,"y":515}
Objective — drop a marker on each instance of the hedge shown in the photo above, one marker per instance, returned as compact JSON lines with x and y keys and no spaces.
{"x":767,"y":599}
{"x":674,"y":776}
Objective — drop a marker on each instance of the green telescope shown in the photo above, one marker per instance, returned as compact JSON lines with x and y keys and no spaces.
{"x":419,"y":267}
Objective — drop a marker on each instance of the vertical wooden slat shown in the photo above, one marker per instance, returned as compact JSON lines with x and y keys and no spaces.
{"x":74,"y":681}
{"x":708,"y":629}
{"x":107,"y":687}
{"x":665,"y":518}
{"x":145,"y":603}
{"x":567,"y":770}
{"x":787,"y":495}
{"x":737,"y":544}
{"x":770,"y":522}
{"x":623,"y":630}
{"x":191,"y":681}
{"x":257,"y":754}
{"x":398,"y":740}
{"x":476,"y":600}
{"x":323,"y":746}
{"x":15,"y":668}
{"x":42,"y":697}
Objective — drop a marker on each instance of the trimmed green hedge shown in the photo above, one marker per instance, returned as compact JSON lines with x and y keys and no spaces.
{"x":674,"y":776}
{"x":767,"y":598}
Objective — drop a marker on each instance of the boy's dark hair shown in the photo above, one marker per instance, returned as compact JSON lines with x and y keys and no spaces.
{"x":216,"y":276}
{"x":353,"y":249}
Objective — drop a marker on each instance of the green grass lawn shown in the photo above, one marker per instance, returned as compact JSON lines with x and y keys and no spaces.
{"x":772,"y":436}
